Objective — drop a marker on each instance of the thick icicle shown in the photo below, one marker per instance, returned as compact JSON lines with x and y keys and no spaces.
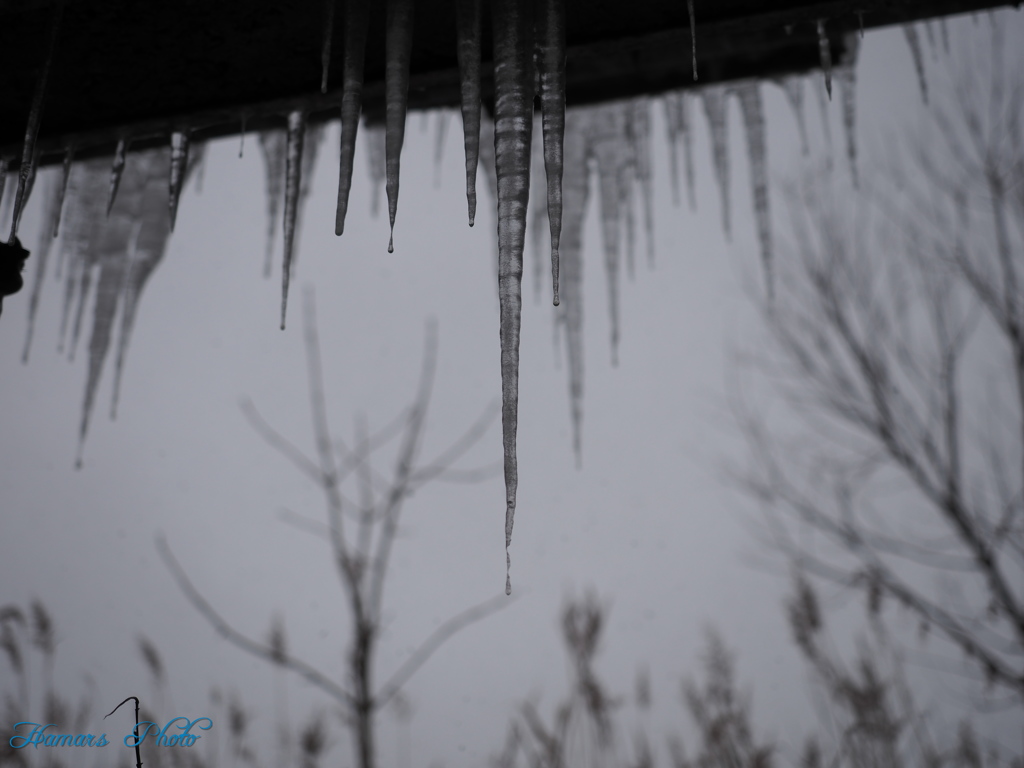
{"x":116,"y":170}
{"x":715,"y":108}
{"x":179,"y":161}
{"x":749,"y":93}
{"x":439,"y":137}
{"x":375,"y":140}
{"x":575,"y":189}
{"x":292,"y":186}
{"x":846,"y":76}
{"x":551,"y":74}
{"x":825,"y":54}
{"x":356,"y":21}
{"x":28,"y":150}
{"x":272,"y":144}
{"x":325,"y":50}
{"x":69,"y":155}
{"x":468,"y":32}
{"x":693,"y":37}
{"x":513,"y":128}
{"x":41,"y":256}
{"x":397,"y":52}
{"x":793,"y":86}
{"x":910,"y":31}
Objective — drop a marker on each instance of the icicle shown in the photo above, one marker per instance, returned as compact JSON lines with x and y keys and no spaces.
{"x":325,"y":51}
{"x":693,"y":37}
{"x":860,"y":23}
{"x":468,"y":32}
{"x":627,"y":179}
{"x":671,"y":102}
{"x":570,"y":311}
{"x":54,"y":198}
{"x":826,"y":124}
{"x":28,"y":149}
{"x":551,"y":72}
{"x":397,"y":50}
{"x":241,"y":138}
{"x":793,"y":85}
{"x":538,"y":212}
{"x":847,"y":78}
{"x":513,"y":126}
{"x":749,"y":93}
{"x":642,"y":153}
{"x":315,"y":135}
{"x":116,"y":170}
{"x":356,"y":22}
{"x":272,"y":144}
{"x":684,"y":128}
{"x":442,"y":132}
{"x":910,"y":31}
{"x":375,"y":139}
{"x":69,"y":154}
{"x":715,"y":108}
{"x":611,"y":148}
{"x":825,"y":53}
{"x":292,"y":185}
{"x":179,"y":161}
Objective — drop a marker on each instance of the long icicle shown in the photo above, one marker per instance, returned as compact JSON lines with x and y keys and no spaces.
{"x":468,"y":33}
{"x":397,"y":52}
{"x":752,"y":108}
{"x":551,"y":70}
{"x":116,"y":170}
{"x":28,"y":149}
{"x":272,"y":147}
{"x":513,"y":128}
{"x":69,"y":154}
{"x":292,"y":185}
{"x":825,"y":54}
{"x":325,"y":50}
{"x":356,"y":22}
{"x":179,"y":161}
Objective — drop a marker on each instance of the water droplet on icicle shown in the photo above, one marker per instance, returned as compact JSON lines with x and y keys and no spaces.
{"x":693,"y":37}
{"x":356,"y":22}
{"x":179,"y":161}
{"x":325,"y":50}
{"x":397,"y":52}
{"x":749,"y":93}
{"x":513,"y":128}
{"x":550,"y":42}
{"x":910,"y":32}
{"x":292,"y":185}
{"x":825,"y":54}
{"x":793,"y":86}
{"x":116,"y":170}
{"x":715,"y":109}
{"x":468,"y":32}
{"x":29,"y":155}
{"x":273,"y":148}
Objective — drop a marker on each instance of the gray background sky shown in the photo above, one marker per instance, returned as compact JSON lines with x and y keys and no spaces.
{"x":648,"y":522}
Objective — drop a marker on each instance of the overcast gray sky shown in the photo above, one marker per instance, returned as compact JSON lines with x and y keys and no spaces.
{"x":648,"y":522}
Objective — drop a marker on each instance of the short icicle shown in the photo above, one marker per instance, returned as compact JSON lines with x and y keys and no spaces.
{"x":513,"y":128}
{"x":914,"y":43}
{"x":751,"y":106}
{"x":715,"y":108}
{"x":468,"y":33}
{"x":325,"y":50}
{"x":69,"y":154}
{"x":550,"y":41}
{"x":611,"y":148}
{"x":693,"y":37}
{"x":356,"y":23}
{"x":397,"y":53}
{"x":825,"y":54}
{"x":292,"y":186}
{"x":29,"y":156}
{"x":116,"y":170}
{"x":179,"y":161}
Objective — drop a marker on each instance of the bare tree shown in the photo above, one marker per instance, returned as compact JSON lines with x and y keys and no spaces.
{"x":360,"y":556}
{"x":896,"y":465}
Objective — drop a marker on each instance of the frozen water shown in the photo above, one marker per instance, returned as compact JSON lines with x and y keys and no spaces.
{"x":292,"y":186}
{"x":749,"y":93}
{"x":356,"y":22}
{"x":551,"y":76}
{"x":825,"y":54}
{"x":718,"y":127}
{"x":398,"y":49}
{"x":468,"y":35}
